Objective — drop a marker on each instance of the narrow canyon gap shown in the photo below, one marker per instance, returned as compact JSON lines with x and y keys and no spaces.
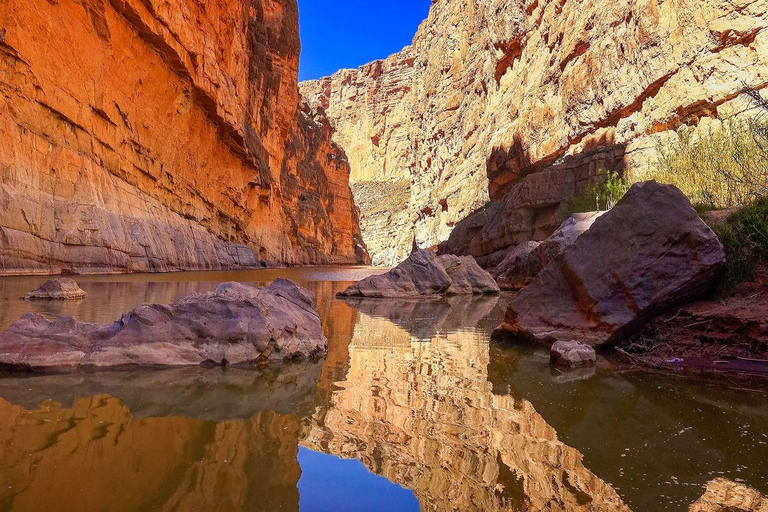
{"x":493,"y":97}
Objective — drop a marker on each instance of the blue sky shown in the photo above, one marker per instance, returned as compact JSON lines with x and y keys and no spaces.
{"x":337,"y":34}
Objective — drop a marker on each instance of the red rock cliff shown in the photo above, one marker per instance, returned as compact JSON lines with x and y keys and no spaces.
{"x":152,"y":135}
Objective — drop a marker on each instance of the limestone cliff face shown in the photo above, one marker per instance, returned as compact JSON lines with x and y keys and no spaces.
{"x":162,"y":135}
{"x":493,"y":91}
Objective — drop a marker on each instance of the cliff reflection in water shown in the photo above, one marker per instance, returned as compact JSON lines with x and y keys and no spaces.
{"x":424,"y":415}
{"x":421,"y":414}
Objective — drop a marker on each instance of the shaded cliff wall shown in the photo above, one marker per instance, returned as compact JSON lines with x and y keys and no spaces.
{"x":155,"y":135}
{"x":493,"y":91}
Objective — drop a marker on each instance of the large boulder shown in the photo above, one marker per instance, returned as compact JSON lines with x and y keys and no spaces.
{"x":523,"y":263}
{"x":649,"y":253}
{"x":423,"y":274}
{"x":236,"y":324}
{"x":57,"y":289}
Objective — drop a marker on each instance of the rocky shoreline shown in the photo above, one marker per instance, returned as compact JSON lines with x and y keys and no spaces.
{"x":234,"y":325}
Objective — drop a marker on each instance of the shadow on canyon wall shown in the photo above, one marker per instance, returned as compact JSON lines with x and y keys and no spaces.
{"x":527,"y":197}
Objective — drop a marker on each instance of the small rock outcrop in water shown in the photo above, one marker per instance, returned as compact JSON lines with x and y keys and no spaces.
{"x":650,"y":252}
{"x":425,"y":274}
{"x":572,"y":354}
{"x":57,"y":289}
{"x":236,"y":324}
{"x":524,"y":262}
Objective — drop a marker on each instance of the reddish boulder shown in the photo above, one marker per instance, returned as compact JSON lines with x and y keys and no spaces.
{"x":651,"y":252}
{"x":467,"y":278}
{"x":236,"y":324}
{"x":524,"y":262}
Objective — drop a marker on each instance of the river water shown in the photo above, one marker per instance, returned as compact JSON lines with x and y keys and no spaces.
{"x":412,"y":409}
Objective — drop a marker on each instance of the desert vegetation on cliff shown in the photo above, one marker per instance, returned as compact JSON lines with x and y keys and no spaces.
{"x":724,"y":166}
{"x":745,"y":237}
{"x":598,"y":196}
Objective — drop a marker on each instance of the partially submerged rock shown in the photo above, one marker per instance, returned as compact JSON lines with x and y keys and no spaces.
{"x":236,"y":324}
{"x":652,"y":251}
{"x":523,"y":264}
{"x":422,"y":275}
{"x":572,"y":354}
{"x":57,"y":289}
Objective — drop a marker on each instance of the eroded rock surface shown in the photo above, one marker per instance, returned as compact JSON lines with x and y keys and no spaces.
{"x":490,"y":92}
{"x":728,"y":496}
{"x":57,"y":289}
{"x":163,"y":135}
{"x":424,"y":274}
{"x":521,"y":265}
{"x":236,"y":324}
{"x":650,"y":252}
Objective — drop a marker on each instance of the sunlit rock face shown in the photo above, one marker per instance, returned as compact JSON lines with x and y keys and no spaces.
{"x":724,"y":495}
{"x":490,"y":92}
{"x":156,"y":135}
{"x":96,"y":452}
{"x":423,"y":415}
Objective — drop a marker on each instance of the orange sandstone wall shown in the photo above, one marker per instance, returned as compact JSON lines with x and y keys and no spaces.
{"x":149,"y":135}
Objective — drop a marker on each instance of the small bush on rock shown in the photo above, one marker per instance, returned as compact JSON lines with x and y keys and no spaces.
{"x":600,"y":196}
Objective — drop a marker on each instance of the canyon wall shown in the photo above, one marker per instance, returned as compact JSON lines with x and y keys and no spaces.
{"x":493,"y":91}
{"x":149,"y":135}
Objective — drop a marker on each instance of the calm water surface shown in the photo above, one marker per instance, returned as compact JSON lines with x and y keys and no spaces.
{"x":412,"y":409}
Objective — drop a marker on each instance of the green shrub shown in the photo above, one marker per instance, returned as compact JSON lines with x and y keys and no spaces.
{"x":723,"y":167}
{"x":599,"y":196}
{"x":745,"y":237}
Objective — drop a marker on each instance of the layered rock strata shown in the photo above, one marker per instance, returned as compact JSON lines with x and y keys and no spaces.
{"x":647,"y":254}
{"x":236,"y":324}
{"x":152,"y":136}
{"x":724,"y":495}
{"x":491,"y":92}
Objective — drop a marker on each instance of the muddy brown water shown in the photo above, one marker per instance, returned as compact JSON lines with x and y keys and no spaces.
{"x":412,"y":409}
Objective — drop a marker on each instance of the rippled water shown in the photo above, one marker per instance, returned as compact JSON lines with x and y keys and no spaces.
{"x":412,"y":409}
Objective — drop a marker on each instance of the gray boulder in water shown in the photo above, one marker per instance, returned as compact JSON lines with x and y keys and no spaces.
{"x":57,"y":289}
{"x":424,"y":274}
{"x":236,"y":324}
{"x":648,"y":254}
{"x":572,"y":354}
